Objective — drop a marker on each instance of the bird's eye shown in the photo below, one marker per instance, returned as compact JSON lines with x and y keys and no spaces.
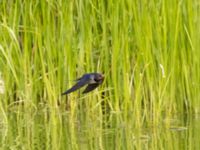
{"x":99,"y":78}
{"x":96,"y":79}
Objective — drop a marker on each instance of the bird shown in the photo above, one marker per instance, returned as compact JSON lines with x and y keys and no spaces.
{"x":92,"y":80}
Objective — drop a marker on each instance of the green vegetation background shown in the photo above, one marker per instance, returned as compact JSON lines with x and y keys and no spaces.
{"x":149,"y":52}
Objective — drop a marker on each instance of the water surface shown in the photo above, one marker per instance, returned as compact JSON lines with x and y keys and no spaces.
{"x":70,"y":130}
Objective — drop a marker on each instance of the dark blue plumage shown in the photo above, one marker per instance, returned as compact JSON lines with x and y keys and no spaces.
{"x":93,"y":80}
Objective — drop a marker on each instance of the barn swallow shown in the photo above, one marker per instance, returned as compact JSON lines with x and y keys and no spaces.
{"x":93,"y":80}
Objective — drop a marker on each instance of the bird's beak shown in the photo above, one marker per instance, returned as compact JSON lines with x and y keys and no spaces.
{"x":102,"y":76}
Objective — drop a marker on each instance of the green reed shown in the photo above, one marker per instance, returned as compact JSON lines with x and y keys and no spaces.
{"x":148,"y":51}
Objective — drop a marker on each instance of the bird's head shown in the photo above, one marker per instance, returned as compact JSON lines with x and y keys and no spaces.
{"x":99,"y":78}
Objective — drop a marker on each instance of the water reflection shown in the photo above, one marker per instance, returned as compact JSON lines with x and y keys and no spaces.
{"x":71,"y":130}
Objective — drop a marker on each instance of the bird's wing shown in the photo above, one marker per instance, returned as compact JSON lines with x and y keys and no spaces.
{"x":77,"y":86}
{"x":90,"y":87}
